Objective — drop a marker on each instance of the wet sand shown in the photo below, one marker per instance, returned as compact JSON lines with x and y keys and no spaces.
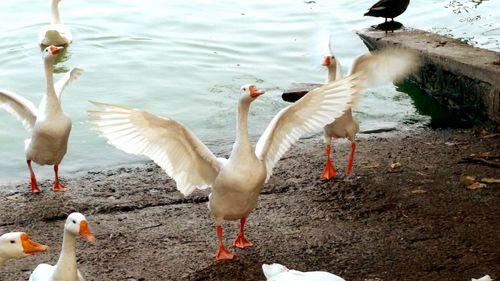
{"x":417,"y":222}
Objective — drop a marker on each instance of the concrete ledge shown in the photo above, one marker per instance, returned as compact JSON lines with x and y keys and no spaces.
{"x":296,"y":90}
{"x":462,"y":78}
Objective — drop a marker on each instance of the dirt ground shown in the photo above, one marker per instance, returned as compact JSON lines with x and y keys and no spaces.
{"x":414,"y":223}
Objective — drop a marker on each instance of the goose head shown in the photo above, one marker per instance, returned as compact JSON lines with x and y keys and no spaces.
{"x":51,"y":52}
{"x":271,"y":270}
{"x":77,"y":224}
{"x":329,"y":61}
{"x":333,"y":66}
{"x":250,"y":92}
{"x":16,"y":245}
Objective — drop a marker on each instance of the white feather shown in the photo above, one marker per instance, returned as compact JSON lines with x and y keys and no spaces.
{"x":68,"y":77}
{"x":167,"y":142}
{"x":386,"y":66}
{"x":56,"y":33}
{"x":307,"y":115}
{"x":21,"y":108}
{"x":278,"y":272}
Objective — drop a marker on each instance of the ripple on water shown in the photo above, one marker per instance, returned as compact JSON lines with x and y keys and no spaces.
{"x":187,"y":60}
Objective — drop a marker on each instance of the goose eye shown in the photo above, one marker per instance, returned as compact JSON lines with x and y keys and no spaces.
{"x":244,"y":89}
{"x":74,"y":221}
{"x":12,"y":242}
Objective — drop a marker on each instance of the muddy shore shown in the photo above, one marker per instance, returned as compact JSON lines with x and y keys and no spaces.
{"x":416,"y":222}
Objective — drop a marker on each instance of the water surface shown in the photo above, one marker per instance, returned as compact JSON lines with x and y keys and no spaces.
{"x":187,"y":60}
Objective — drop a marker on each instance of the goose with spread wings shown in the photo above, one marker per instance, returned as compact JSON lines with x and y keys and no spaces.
{"x":48,"y":124}
{"x":379,"y":67}
{"x":237,"y":181}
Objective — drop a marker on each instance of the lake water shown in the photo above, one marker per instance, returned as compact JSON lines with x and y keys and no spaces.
{"x":187,"y":60}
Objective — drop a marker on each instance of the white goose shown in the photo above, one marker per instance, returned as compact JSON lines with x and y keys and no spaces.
{"x":236,"y":182}
{"x":278,"y":272}
{"x":343,"y":127}
{"x":48,"y":124}
{"x":15,"y":245}
{"x":66,"y":267}
{"x":376,"y":68}
{"x":56,"y":33}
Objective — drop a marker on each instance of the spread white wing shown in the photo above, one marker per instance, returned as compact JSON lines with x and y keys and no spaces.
{"x":20,"y":107}
{"x":167,"y":142}
{"x":69,"y":76}
{"x":309,"y":114}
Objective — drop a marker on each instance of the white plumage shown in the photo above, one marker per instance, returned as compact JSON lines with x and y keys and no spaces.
{"x":66,"y":268}
{"x":484,"y":278}
{"x":56,"y":33}
{"x":378,"y":68}
{"x":48,"y":124}
{"x":16,"y":245}
{"x":236,"y":182}
{"x":278,"y":272}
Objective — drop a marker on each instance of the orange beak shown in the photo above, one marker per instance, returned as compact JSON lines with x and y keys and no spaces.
{"x":31,"y":247}
{"x":86,"y":233}
{"x":254,"y":92}
{"x":55,"y":50}
{"x":327,"y":61}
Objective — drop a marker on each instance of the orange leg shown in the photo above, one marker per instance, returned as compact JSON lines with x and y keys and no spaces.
{"x":351,"y":159}
{"x":240,"y":241}
{"x":34,"y":185}
{"x":329,"y":171}
{"x":222,"y":253}
{"x":58,"y":186}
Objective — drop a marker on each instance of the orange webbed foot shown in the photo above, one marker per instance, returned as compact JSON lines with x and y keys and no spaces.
{"x":59,"y":187}
{"x":241,"y":242}
{"x":224,"y":254}
{"x":329,"y":172}
{"x":35,"y":189}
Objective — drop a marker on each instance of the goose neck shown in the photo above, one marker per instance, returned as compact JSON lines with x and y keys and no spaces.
{"x":49,"y":76}
{"x":334,"y":72}
{"x":66,"y":265}
{"x":50,"y":102}
{"x":56,"y":19}
{"x":242,"y":139}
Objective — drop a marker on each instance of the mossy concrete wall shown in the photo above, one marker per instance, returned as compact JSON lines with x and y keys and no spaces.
{"x":462,"y":78}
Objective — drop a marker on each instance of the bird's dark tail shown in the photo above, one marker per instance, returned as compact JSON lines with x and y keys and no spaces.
{"x":369,"y":13}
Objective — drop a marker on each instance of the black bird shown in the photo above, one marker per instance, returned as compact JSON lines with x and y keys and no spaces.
{"x":388,"y":9}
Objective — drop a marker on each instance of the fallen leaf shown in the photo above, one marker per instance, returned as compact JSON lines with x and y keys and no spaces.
{"x":490,"y":136}
{"x":490,"y":180}
{"x":419,"y":191}
{"x":476,"y":185}
{"x":395,"y":166}
{"x":467,"y":180}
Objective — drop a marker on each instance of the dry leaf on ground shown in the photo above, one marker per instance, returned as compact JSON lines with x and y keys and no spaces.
{"x":476,"y":185}
{"x":490,"y":180}
{"x":395,"y":166}
{"x":467,"y":180}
